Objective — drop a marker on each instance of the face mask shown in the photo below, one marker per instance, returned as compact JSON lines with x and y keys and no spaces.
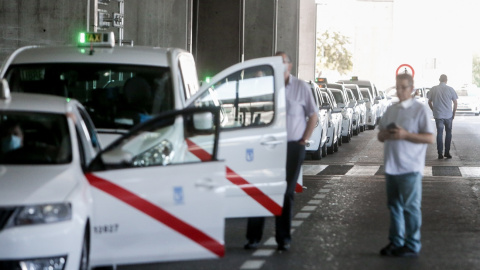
{"x":11,"y":143}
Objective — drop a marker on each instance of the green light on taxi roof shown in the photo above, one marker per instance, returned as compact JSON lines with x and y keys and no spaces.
{"x":68,"y":99}
{"x":81,"y":38}
{"x":207,"y":79}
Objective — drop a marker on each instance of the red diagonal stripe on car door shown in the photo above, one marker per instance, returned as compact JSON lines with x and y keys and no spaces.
{"x":236,"y":179}
{"x":157,"y":213}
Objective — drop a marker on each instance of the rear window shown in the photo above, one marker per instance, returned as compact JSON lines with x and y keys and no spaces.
{"x":34,"y":138}
{"x":116,"y":96}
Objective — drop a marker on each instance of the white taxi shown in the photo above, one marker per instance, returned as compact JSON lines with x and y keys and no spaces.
{"x":334,"y":132}
{"x":121,"y":87}
{"x":317,"y":144}
{"x":347,"y":113}
{"x":64,"y":204}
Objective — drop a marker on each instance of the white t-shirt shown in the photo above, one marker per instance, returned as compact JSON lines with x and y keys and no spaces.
{"x":402,"y":156}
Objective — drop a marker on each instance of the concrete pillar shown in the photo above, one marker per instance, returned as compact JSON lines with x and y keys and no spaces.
{"x":218,"y":35}
{"x":259,"y":28}
{"x":306,"y":39}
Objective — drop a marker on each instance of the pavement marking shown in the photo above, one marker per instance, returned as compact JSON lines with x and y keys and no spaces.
{"x":324,"y":190}
{"x":314,"y":202}
{"x":270,"y":242}
{"x":309,"y":208}
{"x":427,"y":171}
{"x":363,"y":170}
{"x":328,"y":186}
{"x":470,"y":171}
{"x":263,"y":252}
{"x":319,"y":196}
{"x":302,"y":215}
{"x":296,"y":223}
{"x":336,"y":178}
{"x":313,"y":169}
{"x":252,"y":264}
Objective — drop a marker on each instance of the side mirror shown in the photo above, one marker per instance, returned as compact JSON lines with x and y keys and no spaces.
{"x":337,"y":110}
{"x":203,"y":121}
{"x":378,"y":98}
{"x":116,"y":156}
{"x":352,"y":104}
{"x":361,"y":101}
{"x":366,"y":99}
{"x":341,"y":105}
{"x":326,"y":106}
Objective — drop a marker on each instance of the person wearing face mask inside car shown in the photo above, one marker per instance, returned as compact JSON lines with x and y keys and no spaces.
{"x":11,"y":136}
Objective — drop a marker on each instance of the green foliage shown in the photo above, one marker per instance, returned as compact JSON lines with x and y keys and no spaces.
{"x":476,"y":70}
{"x":332,"y":52}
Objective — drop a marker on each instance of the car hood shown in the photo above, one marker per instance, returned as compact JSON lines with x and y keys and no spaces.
{"x":21,"y":185}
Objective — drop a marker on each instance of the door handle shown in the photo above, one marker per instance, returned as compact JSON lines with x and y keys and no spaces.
{"x":271,"y":143}
{"x":206,"y":183}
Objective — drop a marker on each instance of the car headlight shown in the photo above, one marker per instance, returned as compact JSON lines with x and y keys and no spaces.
{"x":55,"y":263}
{"x":40,"y":214}
{"x":162,"y":153}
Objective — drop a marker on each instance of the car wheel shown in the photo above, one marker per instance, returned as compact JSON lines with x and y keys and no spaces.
{"x":317,"y":155}
{"x":330,"y":148}
{"x":339,"y":140}
{"x":85,"y":254}
{"x":477,"y":114}
{"x":335,"y":147}
{"x":324,"y":150}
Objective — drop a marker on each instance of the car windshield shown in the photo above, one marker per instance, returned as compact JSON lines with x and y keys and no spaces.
{"x":365,"y":93}
{"x":338,"y":96}
{"x":116,"y":96}
{"x":34,"y":138}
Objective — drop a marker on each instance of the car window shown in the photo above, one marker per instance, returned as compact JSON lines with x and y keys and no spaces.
{"x":116,"y":96}
{"x":338,"y":96}
{"x":246,"y":98}
{"x":350,"y":95}
{"x":366,"y":94}
{"x":34,"y":138}
{"x":175,"y":139}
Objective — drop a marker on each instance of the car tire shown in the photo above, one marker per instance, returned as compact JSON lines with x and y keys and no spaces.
{"x":317,"y":155}
{"x":84,"y":257}
{"x":477,"y":114}
{"x":330,"y":148}
{"x":339,"y":140}
{"x":335,"y":147}
{"x":324,"y":150}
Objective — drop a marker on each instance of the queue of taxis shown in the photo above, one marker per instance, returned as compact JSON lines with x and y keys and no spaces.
{"x":126,"y":89}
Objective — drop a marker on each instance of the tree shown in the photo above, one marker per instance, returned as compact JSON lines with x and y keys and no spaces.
{"x":476,"y":70}
{"x":332,"y":53}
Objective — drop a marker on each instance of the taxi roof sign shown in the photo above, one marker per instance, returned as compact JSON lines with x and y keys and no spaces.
{"x":354,"y":78}
{"x":106,"y":39}
{"x":321,"y":80}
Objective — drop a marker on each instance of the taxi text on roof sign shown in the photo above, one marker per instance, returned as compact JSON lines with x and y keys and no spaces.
{"x":96,"y":39}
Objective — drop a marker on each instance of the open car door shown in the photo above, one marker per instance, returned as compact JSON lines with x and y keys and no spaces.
{"x":253,"y":137}
{"x":152,"y":201}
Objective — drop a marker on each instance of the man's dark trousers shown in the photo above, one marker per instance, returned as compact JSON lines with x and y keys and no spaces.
{"x":295,"y":157}
{"x":447,"y":125}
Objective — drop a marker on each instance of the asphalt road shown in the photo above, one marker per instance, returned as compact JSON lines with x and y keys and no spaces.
{"x":341,"y":218}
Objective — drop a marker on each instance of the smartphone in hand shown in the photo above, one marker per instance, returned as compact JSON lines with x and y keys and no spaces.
{"x":392,"y":126}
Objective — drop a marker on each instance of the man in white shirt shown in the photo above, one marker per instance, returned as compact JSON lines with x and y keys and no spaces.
{"x":406,"y":129}
{"x":440,"y":101}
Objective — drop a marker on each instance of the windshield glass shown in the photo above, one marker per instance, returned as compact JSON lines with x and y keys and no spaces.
{"x":34,"y":138}
{"x":338,"y":96}
{"x":116,"y":96}
{"x":365,"y":93}
{"x":466,"y":93}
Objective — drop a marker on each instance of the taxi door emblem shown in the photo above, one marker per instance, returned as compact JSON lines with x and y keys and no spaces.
{"x":178,"y":195}
{"x":249,"y":155}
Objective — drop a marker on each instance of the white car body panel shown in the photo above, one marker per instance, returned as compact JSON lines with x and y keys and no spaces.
{"x":255,"y":156}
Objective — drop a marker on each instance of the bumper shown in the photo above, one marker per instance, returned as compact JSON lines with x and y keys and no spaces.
{"x":59,"y":242}
{"x":371,"y":119}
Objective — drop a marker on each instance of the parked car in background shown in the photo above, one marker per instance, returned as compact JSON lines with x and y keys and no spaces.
{"x":360,"y":103}
{"x":317,"y":144}
{"x":357,"y":112}
{"x":385,"y":101}
{"x":468,"y":99}
{"x":374,"y":93}
{"x":371,"y":108}
{"x":334,"y":134}
{"x":420,"y":95}
{"x":347,"y":113}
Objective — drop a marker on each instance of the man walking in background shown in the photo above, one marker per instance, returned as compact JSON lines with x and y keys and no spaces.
{"x":300,"y":104}
{"x":406,"y":129}
{"x":440,"y":101}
